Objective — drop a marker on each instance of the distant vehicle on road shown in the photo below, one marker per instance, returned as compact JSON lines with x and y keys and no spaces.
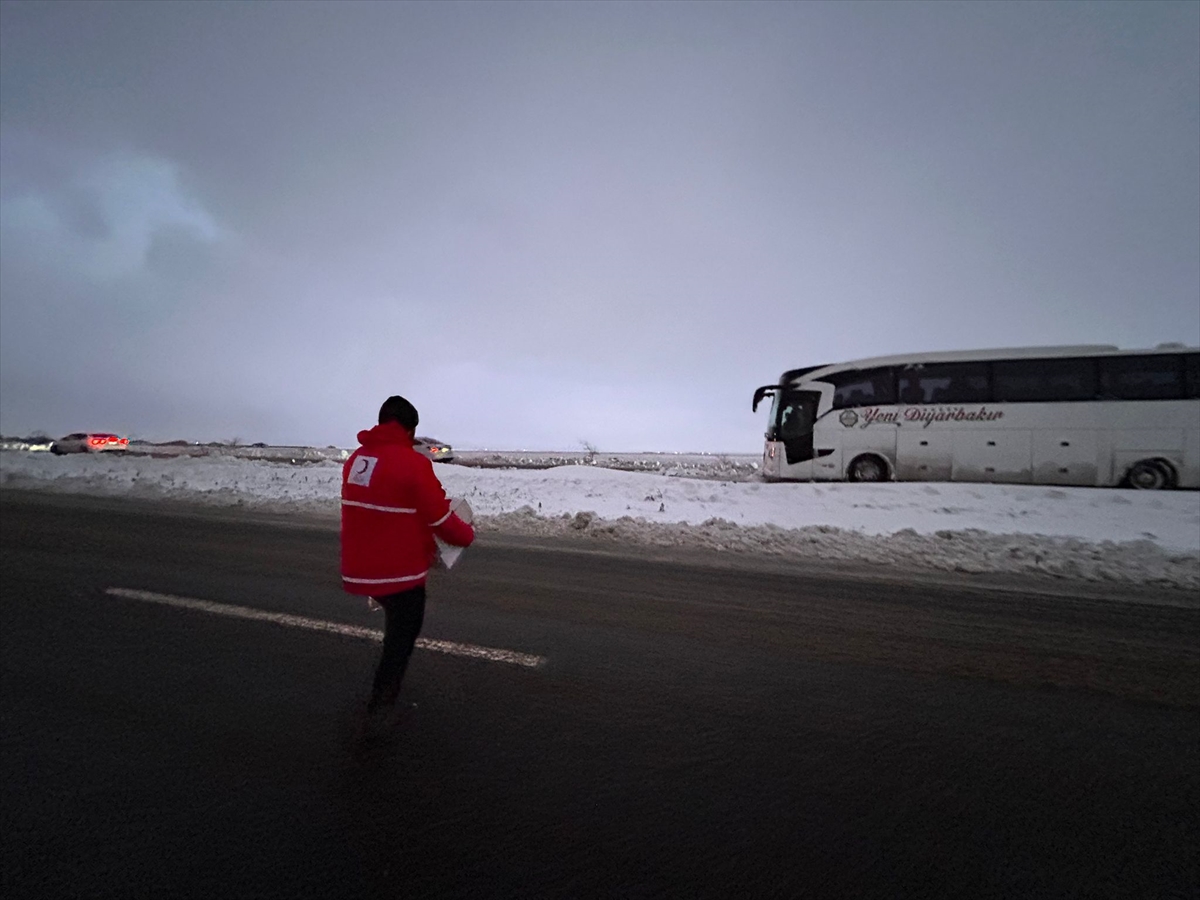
{"x":438,"y":451}
{"x":89,"y":443}
{"x":1094,"y":415}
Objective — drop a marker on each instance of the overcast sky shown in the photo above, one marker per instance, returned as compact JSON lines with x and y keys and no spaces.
{"x":551,"y":223}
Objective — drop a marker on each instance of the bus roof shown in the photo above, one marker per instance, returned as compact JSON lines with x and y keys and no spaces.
{"x":981,"y":356}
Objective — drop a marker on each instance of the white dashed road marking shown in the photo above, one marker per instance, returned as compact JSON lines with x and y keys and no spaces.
{"x":245,"y":612}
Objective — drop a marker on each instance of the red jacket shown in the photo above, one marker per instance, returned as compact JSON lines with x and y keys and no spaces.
{"x":392,"y":506}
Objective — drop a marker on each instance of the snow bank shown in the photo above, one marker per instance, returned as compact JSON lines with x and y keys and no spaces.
{"x":1079,"y":533}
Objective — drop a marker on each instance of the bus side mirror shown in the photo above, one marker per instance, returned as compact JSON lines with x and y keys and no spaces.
{"x":762,"y":392}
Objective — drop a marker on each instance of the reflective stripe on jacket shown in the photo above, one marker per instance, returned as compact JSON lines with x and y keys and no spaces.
{"x":392,"y":506}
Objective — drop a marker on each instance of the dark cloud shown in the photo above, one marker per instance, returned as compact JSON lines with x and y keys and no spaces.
{"x":81,"y":212}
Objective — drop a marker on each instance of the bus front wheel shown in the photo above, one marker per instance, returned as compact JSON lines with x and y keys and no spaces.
{"x":868,"y":468}
{"x":1149,"y":475}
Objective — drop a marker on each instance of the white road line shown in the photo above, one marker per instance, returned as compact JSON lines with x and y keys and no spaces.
{"x":245,"y":612}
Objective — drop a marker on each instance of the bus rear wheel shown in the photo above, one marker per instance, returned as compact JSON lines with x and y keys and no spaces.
{"x":1149,"y":475}
{"x":868,"y":468}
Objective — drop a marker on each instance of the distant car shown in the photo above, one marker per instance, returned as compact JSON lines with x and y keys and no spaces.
{"x":438,"y":451}
{"x":89,"y":443}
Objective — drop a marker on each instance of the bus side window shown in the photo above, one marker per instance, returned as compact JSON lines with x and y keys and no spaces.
{"x":1043,"y":380}
{"x":871,"y":387}
{"x":946,"y":383}
{"x":1155,"y":377}
{"x":910,"y":389}
{"x":1191,"y":376}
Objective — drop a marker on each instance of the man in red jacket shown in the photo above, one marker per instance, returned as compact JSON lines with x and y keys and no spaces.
{"x":392,"y":507}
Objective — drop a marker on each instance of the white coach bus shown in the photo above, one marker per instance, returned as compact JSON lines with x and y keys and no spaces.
{"x":1094,"y":415}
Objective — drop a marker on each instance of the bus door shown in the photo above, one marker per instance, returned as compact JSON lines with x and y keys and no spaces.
{"x":797,"y":413}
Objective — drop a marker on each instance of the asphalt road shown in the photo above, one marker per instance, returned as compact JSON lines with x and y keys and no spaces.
{"x":699,"y":728}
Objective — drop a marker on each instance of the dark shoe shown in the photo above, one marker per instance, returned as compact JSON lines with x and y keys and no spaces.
{"x":400,"y":712}
{"x":382,"y":719}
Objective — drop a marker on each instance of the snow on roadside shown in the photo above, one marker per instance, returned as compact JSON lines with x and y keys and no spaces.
{"x":1077,"y":533}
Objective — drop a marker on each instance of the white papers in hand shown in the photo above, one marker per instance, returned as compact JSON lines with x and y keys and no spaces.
{"x":448,"y":554}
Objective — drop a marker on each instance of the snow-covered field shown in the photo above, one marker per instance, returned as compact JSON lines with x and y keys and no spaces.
{"x":712,"y":503}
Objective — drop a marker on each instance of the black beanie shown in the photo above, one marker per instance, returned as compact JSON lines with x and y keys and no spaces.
{"x":397,"y":409}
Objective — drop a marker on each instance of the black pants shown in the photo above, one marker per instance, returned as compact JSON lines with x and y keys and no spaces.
{"x":405,"y":614}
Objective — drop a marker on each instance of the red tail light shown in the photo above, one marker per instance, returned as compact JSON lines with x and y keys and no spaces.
{"x":124,"y":440}
{"x":96,"y":442}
